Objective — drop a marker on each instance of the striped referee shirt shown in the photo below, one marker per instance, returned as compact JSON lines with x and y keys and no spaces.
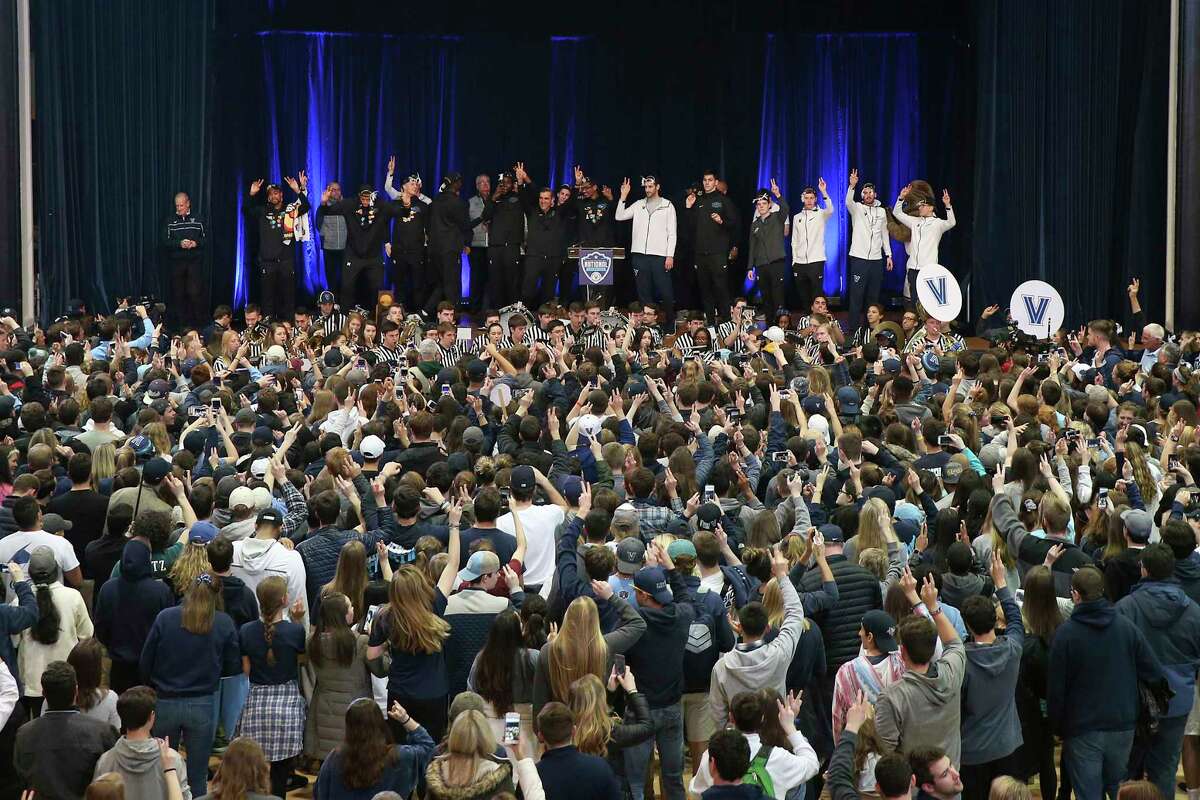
{"x":592,"y":337}
{"x":386,"y":355}
{"x":536,"y":334}
{"x":450,"y":356}
{"x":327,"y":326}
{"x":726,"y":328}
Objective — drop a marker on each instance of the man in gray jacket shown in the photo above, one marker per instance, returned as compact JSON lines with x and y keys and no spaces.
{"x":767,"y":254}
{"x":923,"y":708}
{"x":137,"y":756}
{"x":991,"y":731}
{"x":754,"y":664}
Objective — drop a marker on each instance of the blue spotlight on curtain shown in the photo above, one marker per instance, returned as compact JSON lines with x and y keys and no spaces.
{"x":568,"y":99}
{"x":835,"y":102}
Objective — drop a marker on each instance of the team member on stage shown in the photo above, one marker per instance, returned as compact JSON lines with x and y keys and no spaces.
{"x":869,"y":245}
{"x":715,"y":222}
{"x":545,"y":242}
{"x":594,"y":210}
{"x":449,"y":231}
{"x":367,"y":219}
{"x":276,"y":233}
{"x":185,"y":236}
{"x":505,"y":238}
{"x":478,"y":257}
{"x":767,"y":252}
{"x":927,"y":230}
{"x":332,"y":228}
{"x":407,"y":247}
{"x":653,"y":245}
{"x":808,"y":244}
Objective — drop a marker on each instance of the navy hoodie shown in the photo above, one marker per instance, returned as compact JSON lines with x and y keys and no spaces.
{"x":657,"y":658}
{"x":1096,"y":661}
{"x":1187,"y":572}
{"x":128,"y":605}
{"x":240,"y":603}
{"x":708,"y":637}
{"x":179,"y":663}
{"x":1170,"y":621}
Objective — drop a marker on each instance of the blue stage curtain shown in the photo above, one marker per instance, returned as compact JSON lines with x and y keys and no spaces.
{"x":338,"y":106}
{"x":832,"y":103}
{"x":1071,"y":152}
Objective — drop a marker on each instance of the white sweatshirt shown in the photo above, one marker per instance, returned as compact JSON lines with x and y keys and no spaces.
{"x":808,"y":234}
{"x":869,"y":237}
{"x":654,"y":232}
{"x":926,"y":235}
{"x":255,"y":560}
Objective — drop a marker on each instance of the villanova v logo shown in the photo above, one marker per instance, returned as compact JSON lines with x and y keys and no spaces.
{"x":938,"y":287}
{"x":1035,"y":308}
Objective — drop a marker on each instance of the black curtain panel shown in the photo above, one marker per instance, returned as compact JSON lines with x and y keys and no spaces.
{"x":1187,"y":232}
{"x":1071,"y":152}
{"x":10,"y":212}
{"x":123,"y":118}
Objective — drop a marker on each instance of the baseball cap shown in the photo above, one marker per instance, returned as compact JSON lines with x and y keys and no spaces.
{"x":883,"y":493}
{"x":570,"y":487}
{"x":157,"y":391}
{"x":259,"y":467}
{"x":832,"y":533}
{"x":708,"y":516}
{"x":908,"y":512}
{"x":1138,"y":523}
{"x":473,"y":437}
{"x":625,"y":520}
{"x":242,"y":496}
{"x":653,"y":581}
{"x":774,"y":334}
{"x":262,"y":435}
{"x":881,"y":625}
{"x":203,"y":533}
{"x":155,"y":470}
{"x":952,"y":473}
{"x":631,"y":554}
{"x":141,"y":446}
{"x":681,"y":547}
{"x":476,"y":370}
{"x":813,"y":404}
{"x":849,"y":401}
{"x":43,"y":566}
{"x":270,"y":516}
{"x":522,"y":478}
{"x":481,"y":562}
{"x":891,"y":365}
{"x":371,"y":447}
{"x":325,"y":297}
{"x":54,"y":523}
{"x":275,"y":353}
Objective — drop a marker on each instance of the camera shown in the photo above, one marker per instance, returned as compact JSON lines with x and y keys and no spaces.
{"x":944,"y":440}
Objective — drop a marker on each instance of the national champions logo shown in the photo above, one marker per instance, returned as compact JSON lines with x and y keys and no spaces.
{"x":595,"y":266}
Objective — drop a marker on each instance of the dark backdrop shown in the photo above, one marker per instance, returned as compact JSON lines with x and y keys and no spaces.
{"x":1065,"y":139}
{"x":10,"y":213}
{"x":1187,"y":231}
{"x":1071,"y":151}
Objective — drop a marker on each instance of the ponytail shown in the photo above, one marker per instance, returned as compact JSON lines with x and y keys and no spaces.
{"x":46,"y":631}
{"x":272,"y":599}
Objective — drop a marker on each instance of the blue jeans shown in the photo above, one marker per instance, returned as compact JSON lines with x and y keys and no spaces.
{"x":668,"y":734}
{"x":228,"y":701}
{"x":190,"y":720}
{"x":1158,"y":759}
{"x":1097,"y":762}
{"x":654,"y":283}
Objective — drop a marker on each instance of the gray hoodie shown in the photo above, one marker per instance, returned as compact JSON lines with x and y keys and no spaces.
{"x":140,"y":765}
{"x":760,"y":666}
{"x":990,"y":725}
{"x":924,"y":710}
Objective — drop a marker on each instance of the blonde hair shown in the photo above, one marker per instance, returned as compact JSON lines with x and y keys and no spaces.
{"x":875,"y":561}
{"x":414,"y":626}
{"x":109,"y":786}
{"x":156,"y":432}
{"x":1136,"y":456}
{"x":593,"y":720}
{"x":772,"y":600}
{"x":578,"y":650}
{"x":191,"y":564}
{"x":1009,"y":788}
{"x":874,"y":527}
{"x":104,"y":464}
{"x":470,"y":741}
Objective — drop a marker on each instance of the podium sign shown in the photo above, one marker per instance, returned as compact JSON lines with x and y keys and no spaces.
{"x":596,"y":266}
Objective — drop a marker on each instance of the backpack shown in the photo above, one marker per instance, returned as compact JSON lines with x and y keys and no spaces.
{"x":757,"y":775}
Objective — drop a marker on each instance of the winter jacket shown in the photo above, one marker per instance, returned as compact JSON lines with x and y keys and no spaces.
{"x":1170,"y":621}
{"x":869,"y":234}
{"x":139,"y":763}
{"x":712,"y":237}
{"x":320,"y":552}
{"x":127,"y":606}
{"x":766,"y":236}
{"x":1187,"y":572}
{"x":1097,"y":653}
{"x":55,"y":755}
{"x":760,"y":665}
{"x":657,"y":657}
{"x":470,"y":614}
{"x":255,"y":560}
{"x":709,"y":635}
{"x":13,"y":620}
{"x":924,"y":710}
{"x":808,"y":234}
{"x":990,"y":726}
{"x":336,"y":686}
{"x":858,"y":593}
{"x":1031,"y":550}
{"x":491,"y":778}
{"x":654,"y":232}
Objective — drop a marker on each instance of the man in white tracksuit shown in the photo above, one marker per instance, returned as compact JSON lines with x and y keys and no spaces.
{"x":652,"y":248}
{"x":869,"y":246}
{"x":808,"y":244}
{"x":927,"y":231}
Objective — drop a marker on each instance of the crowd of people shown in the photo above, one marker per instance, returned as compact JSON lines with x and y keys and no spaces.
{"x":597,"y":555}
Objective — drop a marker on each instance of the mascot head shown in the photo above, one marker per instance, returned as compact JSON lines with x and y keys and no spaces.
{"x":920,"y":190}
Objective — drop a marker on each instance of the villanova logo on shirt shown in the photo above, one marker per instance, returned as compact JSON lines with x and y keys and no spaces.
{"x":595,"y":266}
{"x":1035,"y":308}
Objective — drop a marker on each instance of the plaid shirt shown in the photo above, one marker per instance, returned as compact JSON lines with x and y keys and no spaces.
{"x":654,"y":519}
{"x":297,"y":509}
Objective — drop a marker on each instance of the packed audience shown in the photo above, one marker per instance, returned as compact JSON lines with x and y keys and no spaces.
{"x":596,"y":555}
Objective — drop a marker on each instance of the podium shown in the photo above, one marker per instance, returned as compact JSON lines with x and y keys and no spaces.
{"x":579,"y":252}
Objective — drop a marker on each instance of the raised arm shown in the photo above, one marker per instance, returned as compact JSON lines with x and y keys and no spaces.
{"x":446,"y":580}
